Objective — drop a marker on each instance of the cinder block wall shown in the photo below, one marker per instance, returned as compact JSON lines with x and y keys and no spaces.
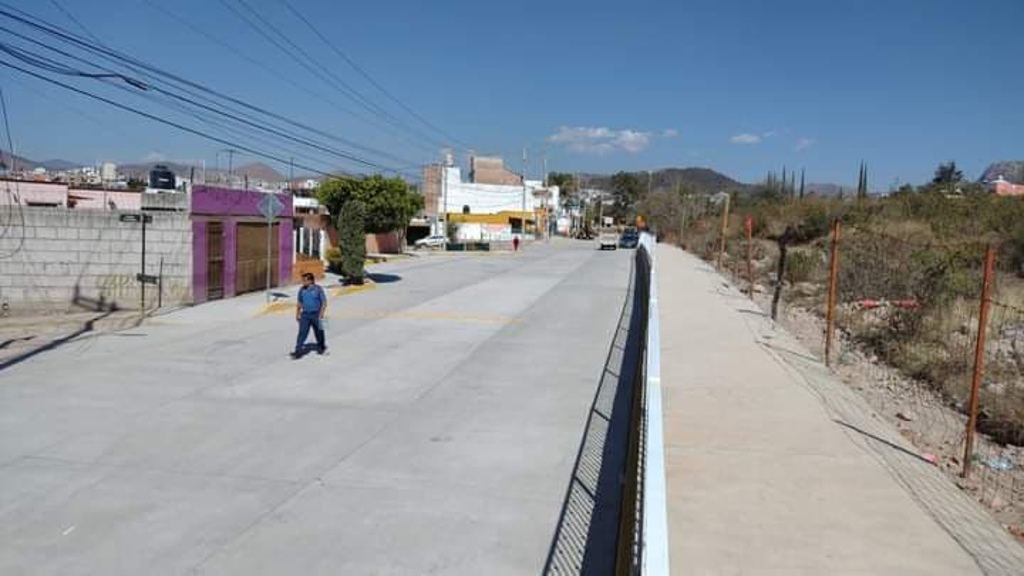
{"x":46,"y":253}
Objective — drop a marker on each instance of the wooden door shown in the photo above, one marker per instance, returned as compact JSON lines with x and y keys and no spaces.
{"x":252,"y":261}
{"x":214,"y":260}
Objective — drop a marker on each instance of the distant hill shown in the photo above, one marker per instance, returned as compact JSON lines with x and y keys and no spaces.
{"x":1012,"y":170}
{"x":59,"y":165}
{"x":141,"y":170}
{"x":260,"y":171}
{"x":703,"y":180}
{"x":830,"y":189}
{"x":28,"y":164}
{"x":256,"y":171}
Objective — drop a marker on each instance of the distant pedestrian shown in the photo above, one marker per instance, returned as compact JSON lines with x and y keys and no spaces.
{"x":310,"y":308}
{"x":515,"y":243}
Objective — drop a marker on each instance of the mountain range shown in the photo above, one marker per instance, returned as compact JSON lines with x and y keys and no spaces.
{"x":27,"y":164}
{"x":701,"y":180}
{"x":255,"y":171}
{"x":1012,"y":170}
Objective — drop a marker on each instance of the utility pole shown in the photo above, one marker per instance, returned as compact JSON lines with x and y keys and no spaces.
{"x":523,"y":215}
{"x":444,"y":195}
{"x":231,"y":157}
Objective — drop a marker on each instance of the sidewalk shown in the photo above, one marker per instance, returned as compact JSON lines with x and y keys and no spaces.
{"x":775,"y":467}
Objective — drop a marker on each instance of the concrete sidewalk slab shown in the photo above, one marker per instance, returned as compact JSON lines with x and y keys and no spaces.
{"x":761,"y":479}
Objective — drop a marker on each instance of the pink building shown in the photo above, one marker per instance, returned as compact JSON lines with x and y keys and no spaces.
{"x":104,"y":199}
{"x":58,"y":194}
{"x":1006,"y":188}
{"x":33,"y":193}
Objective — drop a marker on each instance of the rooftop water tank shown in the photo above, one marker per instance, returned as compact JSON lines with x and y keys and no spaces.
{"x":161,"y":178}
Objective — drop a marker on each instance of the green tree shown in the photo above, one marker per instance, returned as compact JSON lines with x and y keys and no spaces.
{"x":862,"y":182}
{"x":947,"y":173}
{"x":352,"y":240}
{"x":626,"y":191}
{"x":389,"y":203}
{"x":564,"y":180}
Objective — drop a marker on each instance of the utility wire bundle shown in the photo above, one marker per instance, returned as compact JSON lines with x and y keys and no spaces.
{"x":51,"y":54}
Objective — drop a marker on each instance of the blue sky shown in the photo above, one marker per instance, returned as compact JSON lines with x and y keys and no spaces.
{"x":741,"y":86}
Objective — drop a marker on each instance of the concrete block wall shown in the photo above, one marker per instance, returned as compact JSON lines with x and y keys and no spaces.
{"x":47,"y":255}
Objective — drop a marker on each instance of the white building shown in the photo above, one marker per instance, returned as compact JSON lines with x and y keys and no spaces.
{"x":487,"y":212}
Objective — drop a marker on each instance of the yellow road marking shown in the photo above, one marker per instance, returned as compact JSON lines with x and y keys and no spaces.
{"x":289,"y":305}
{"x":346,"y":290}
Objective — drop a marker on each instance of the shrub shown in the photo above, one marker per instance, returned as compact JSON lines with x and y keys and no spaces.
{"x":333,"y":256}
{"x":804,"y":266}
{"x":352,"y":241}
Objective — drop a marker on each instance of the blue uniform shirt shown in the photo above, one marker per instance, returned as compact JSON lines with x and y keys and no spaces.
{"x":311,"y":299}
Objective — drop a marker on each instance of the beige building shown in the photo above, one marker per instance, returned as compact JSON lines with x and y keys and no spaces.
{"x":491,"y":170}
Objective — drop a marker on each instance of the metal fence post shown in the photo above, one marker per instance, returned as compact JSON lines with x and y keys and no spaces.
{"x":749,"y":224}
{"x":979,"y":358}
{"x":833,"y":282}
{"x":725,"y":230}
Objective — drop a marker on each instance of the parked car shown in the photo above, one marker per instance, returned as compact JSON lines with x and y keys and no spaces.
{"x":432,"y":241}
{"x":608,"y":240}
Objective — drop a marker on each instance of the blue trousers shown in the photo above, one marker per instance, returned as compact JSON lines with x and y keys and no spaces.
{"x":306,"y":321}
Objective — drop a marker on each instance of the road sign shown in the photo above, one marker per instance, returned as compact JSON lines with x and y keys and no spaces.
{"x":135,"y":218}
{"x":146,"y":278}
{"x":270,"y":206}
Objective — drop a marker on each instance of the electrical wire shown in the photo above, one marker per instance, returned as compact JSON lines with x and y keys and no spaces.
{"x":122,"y":59}
{"x":155,"y":118}
{"x":369,"y":78}
{"x":16,"y":199}
{"x":320,"y":71}
{"x":277,"y":74}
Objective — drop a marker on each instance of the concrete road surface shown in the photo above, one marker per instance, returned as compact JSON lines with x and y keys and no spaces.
{"x":438,"y":436}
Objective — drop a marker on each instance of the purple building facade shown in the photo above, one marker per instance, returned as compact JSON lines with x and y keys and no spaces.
{"x":224,"y":225}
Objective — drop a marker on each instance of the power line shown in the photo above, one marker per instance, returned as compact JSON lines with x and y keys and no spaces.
{"x":154,"y":79}
{"x":15,"y":200}
{"x":135,"y":64}
{"x":311,"y":65}
{"x":369,"y":78}
{"x":76,"y":21}
{"x":155,"y":118}
{"x":276,"y":73}
{"x":52,"y":66}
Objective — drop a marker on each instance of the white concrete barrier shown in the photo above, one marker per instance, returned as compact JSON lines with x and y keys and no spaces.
{"x":654,"y":560}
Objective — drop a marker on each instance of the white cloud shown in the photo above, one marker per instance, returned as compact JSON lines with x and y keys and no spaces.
{"x":804,"y":143}
{"x":155,"y":157}
{"x":745,"y":139}
{"x":600,"y":140}
{"x":670,"y":133}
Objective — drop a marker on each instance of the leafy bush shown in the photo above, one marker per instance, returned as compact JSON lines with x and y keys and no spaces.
{"x":352,"y":236}
{"x":333,"y":256}
{"x":804,"y":266}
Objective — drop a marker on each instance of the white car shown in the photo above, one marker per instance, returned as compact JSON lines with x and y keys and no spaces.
{"x":608,"y":240}
{"x":433,"y":241}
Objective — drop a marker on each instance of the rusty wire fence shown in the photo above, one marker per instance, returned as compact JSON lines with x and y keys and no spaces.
{"x":909,"y":323}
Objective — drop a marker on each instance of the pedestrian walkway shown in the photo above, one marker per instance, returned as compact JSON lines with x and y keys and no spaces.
{"x":775,"y":467}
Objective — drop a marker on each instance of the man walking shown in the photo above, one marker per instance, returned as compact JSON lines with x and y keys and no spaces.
{"x":309,"y":312}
